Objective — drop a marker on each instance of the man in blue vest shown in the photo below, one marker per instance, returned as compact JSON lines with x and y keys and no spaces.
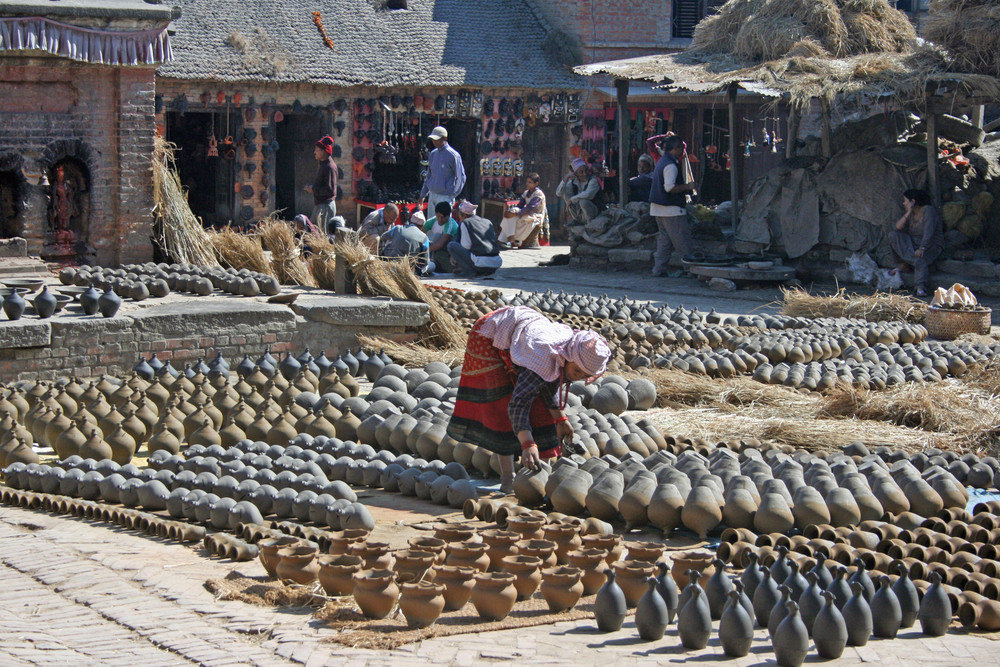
{"x":667,"y":200}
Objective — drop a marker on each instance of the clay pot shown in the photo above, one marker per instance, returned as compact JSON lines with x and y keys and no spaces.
{"x":984,"y":614}
{"x":527,"y":573}
{"x":468,"y":554}
{"x":591,"y":563}
{"x":529,"y":485}
{"x":604,"y":495}
{"x":773,"y":515}
{"x":570,"y":496}
{"x":543,"y":549}
{"x":411,"y":564}
{"x":701,"y":512}
{"x":528,"y":527}
{"x":494,"y":595}
{"x":431,"y":544}
{"x":458,"y":583}
{"x":501,"y":543}
{"x":735,"y":627}
{"x":631,"y":577}
{"x":341,"y":540}
{"x":694,"y":621}
{"x":566,"y":538}
{"x":561,"y":588}
{"x":298,"y":564}
{"x":682,"y":561}
{"x":649,"y":552}
{"x":791,"y":638}
{"x":611,"y":543}
{"x":375,"y":592}
{"x":610,"y":606}
{"x":935,"y":609}
{"x":421,"y":603}
{"x":373,"y":555}
{"x":450,"y":533}
{"x":336,"y":573}
{"x":858,"y":617}
{"x":665,"y":508}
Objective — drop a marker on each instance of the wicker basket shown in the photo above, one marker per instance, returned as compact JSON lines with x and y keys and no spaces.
{"x":946,"y":324}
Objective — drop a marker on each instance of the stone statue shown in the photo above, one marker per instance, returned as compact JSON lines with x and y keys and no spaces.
{"x":62,"y":204}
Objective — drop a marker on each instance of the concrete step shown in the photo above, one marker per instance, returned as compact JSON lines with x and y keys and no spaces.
{"x":23,"y":267}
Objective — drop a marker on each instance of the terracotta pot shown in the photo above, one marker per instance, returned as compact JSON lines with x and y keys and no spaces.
{"x":502,"y":543}
{"x":458,"y":583}
{"x":341,"y":540}
{"x":611,"y":543}
{"x":432,"y":544}
{"x":526,"y":526}
{"x":566,"y":537}
{"x":375,"y":592}
{"x":985,"y":615}
{"x":374,"y":555}
{"x":649,"y":552}
{"x":773,"y":515}
{"x":298,"y":563}
{"x":543,"y":549}
{"x":411,"y":564}
{"x":494,"y":595}
{"x":632,"y":577}
{"x":336,"y":573}
{"x":421,"y":603}
{"x":592,"y":564}
{"x":561,"y":588}
{"x":734,"y":535}
{"x":527,"y":572}
{"x":734,"y":553}
{"x":682,"y":561}
{"x":468,"y":554}
{"x":450,"y":533}
{"x":269,"y":552}
{"x":701,"y":511}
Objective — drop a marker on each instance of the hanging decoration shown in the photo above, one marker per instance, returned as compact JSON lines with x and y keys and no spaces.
{"x":318,"y":20}
{"x":100,"y":47}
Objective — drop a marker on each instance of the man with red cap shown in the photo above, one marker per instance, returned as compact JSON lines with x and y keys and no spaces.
{"x":324,"y":187}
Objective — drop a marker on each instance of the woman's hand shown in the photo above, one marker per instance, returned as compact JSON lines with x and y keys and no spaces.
{"x":919,"y":252}
{"x":564,"y":432}
{"x":530,"y":458}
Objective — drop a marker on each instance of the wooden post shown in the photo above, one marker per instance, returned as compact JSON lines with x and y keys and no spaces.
{"x":978,"y":115}
{"x":622,"y":86}
{"x":792,"y":134}
{"x":825,"y":140}
{"x":734,"y":154}
{"x":343,"y":277}
{"x":932,"y":159}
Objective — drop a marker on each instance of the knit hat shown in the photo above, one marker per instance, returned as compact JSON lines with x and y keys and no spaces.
{"x":578,"y":162}
{"x":326,"y":143}
{"x":467,"y":207}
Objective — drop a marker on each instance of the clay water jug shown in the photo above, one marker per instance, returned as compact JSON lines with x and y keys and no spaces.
{"x":694,"y":622}
{"x":810,"y":602}
{"x":529,"y":485}
{"x":823,"y":575}
{"x":591,"y":563}
{"x":795,"y":581}
{"x":570,"y":496}
{"x":735,"y":628}
{"x":610,"y":607}
{"x":632,"y":576}
{"x":109,"y":303}
{"x":886,"y":612}
{"x":829,"y":629}
{"x":780,"y":568}
{"x":861,"y":576}
{"x":858,"y":617}
{"x":667,"y":588}
{"x":13,"y":305}
{"x":791,"y":641}
{"x":45,"y":303}
{"x":375,"y":592}
{"x":527,"y":573}
{"x":779,"y":611}
{"x":688,"y":590}
{"x":561,"y":587}
{"x":935,"y":609}
{"x":752,"y":575}
{"x":765,"y":597}
{"x":494,"y":595}
{"x":717,"y":589}
{"x":909,"y":599}
{"x":421,"y":603}
{"x":458,"y":583}
{"x":701,"y":512}
{"x":298,"y":563}
{"x":651,"y":614}
{"x":89,"y":300}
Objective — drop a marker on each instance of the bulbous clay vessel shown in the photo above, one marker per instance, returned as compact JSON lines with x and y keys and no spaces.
{"x":431,"y":544}
{"x":458,"y":583}
{"x":665,"y":508}
{"x":791,"y":641}
{"x":717,"y":589}
{"x":527,"y":574}
{"x":752,"y":575}
{"x":591,"y":563}
{"x":909,"y":599}
{"x":683,"y":561}
{"x":649,"y":552}
{"x":543,"y":549}
{"x":612,"y":543}
{"x":701,"y":512}
{"x":636,"y":498}
{"x":561,"y":587}
{"x":375,"y":592}
{"x":604,"y":495}
{"x":632,"y":577}
{"x":779,"y":611}
{"x":829,"y":630}
{"x":773,"y":515}
{"x":336,"y":573}
{"x":501,"y":543}
{"x":529,"y":485}
{"x":984,"y":614}
{"x":494,"y":595}
{"x":566,"y":537}
{"x":610,"y":607}
{"x":298,"y":563}
{"x":468,"y":554}
{"x":935,"y":609}
{"x":421,"y":603}
{"x":570,"y":497}
{"x":694,"y":622}
{"x":735,"y":627}
{"x":651,"y":614}
{"x":667,"y":589}
{"x":858,"y":617}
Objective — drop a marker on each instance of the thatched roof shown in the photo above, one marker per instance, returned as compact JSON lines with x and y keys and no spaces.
{"x":801,"y":49}
{"x":969,"y":30}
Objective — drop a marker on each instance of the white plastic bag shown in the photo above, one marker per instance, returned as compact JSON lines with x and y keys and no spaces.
{"x":887,"y":279}
{"x":862,"y":268}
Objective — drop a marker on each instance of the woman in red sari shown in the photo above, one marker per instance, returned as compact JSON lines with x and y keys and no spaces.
{"x":515,"y":381}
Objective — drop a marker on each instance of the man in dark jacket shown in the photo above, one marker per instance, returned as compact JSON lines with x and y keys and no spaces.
{"x":476,"y":251}
{"x":667,"y":201}
{"x":324,"y":187}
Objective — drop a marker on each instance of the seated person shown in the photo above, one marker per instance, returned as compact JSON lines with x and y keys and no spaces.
{"x":377,"y":223}
{"x":440,"y":230}
{"x":522,"y":222}
{"x":918,"y":238}
{"x":476,"y":252}
{"x":638,"y":187}
{"x":409,"y":240}
{"x":581,"y":191}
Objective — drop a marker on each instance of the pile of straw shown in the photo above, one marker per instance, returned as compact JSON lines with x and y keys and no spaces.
{"x":287,"y":264}
{"x":763,"y":30}
{"x":413,"y":355}
{"x":181,"y":235}
{"x":877,"y":307}
{"x":238,"y":250}
{"x":969,"y":30}
{"x":322,"y":261}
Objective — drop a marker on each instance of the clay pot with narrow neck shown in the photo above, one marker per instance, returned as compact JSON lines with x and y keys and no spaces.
{"x":631,"y":577}
{"x":561,"y":588}
{"x":336,"y":573}
{"x":458,"y":583}
{"x":494,"y":595}
{"x":421,"y":603}
{"x":468,"y":554}
{"x":592,"y":564}
{"x":791,"y":638}
{"x":298,"y":563}
{"x":702,"y":512}
{"x":501,"y":543}
{"x":527,"y":573}
{"x":375,"y":592}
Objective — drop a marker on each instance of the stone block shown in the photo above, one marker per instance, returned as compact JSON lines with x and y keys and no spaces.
{"x":722,"y":285}
{"x":588,"y":250}
{"x":840,"y":254}
{"x":629,"y":255}
{"x":194,"y":318}
{"x":357,"y":311}
{"x":975,"y":269}
{"x":24,"y":333}
{"x":13,"y":247}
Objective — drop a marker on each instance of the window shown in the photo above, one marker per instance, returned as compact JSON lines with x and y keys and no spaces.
{"x":688,"y":13}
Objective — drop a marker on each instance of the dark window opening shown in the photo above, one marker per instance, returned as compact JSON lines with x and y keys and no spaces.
{"x":10,"y":205}
{"x":688,"y":13}
{"x":208,"y":180}
{"x":395,"y":4}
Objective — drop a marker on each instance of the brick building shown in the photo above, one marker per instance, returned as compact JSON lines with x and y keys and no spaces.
{"x":76,"y":125}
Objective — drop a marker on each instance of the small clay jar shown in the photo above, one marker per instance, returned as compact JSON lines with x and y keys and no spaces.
{"x":421,"y":603}
{"x":691,"y":560}
{"x":375,"y":592}
{"x":566,"y":537}
{"x":649,"y":552}
{"x":611,"y":543}
{"x":298,"y":564}
{"x":543,"y":549}
{"x":529,"y":527}
{"x":458,"y":583}
{"x":336,"y":573}
{"x":374,"y":555}
{"x":341,"y":540}
{"x":632,"y":577}
{"x":450,"y":533}
{"x":501,"y":543}
{"x":591,"y":563}
{"x":432,"y":544}
{"x":561,"y":588}
{"x":269,"y":552}
{"x":411,"y":564}
{"x":527,"y":572}
{"x":468,"y":554}
{"x":494,"y":594}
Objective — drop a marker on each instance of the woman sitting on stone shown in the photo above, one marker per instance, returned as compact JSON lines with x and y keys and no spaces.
{"x":918,"y":238}
{"x":523,"y":221}
{"x":514,"y":385}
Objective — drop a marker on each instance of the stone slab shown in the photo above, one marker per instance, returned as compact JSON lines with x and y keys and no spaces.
{"x":217,"y":313}
{"x":13,"y":247}
{"x":24,"y":333}
{"x":629,"y":255}
{"x":975,"y":268}
{"x":776,"y":273}
{"x":360,"y":311}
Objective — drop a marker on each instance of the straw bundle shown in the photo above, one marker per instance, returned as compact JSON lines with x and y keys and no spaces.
{"x":287,"y":264}
{"x":182,"y":236}
{"x":677,"y":388}
{"x":413,"y":355}
{"x":323,"y":261}
{"x":797,"y":302}
{"x":238,"y":250}
{"x":969,"y":30}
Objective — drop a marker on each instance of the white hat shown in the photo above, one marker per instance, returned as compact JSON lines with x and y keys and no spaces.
{"x":438,"y":133}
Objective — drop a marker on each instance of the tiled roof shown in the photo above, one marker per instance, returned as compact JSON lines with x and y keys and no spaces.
{"x":69,"y":9}
{"x":447,"y":43}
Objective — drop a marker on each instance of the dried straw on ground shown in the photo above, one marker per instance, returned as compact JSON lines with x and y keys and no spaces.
{"x":797,"y":302}
{"x":287,"y":264}
{"x":238,"y":250}
{"x":323,"y":261}
{"x":413,"y":355}
{"x":182,"y":236}
{"x":969,"y":30}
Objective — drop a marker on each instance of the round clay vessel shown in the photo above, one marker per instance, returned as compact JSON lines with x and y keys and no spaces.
{"x":527,"y":573}
{"x":651,"y":613}
{"x":701,"y":511}
{"x":493,"y":595}
{"x":431,"y":544}
{"x":411,"y":564}
{"x":421,"y":603}
{"x":336,"y":573}
{"x":458,"y":583}
{"x":341,"y":540}
{"x":298,"y":563}
{"x":543,"y":549}
{"x":612,"y":543}
{"x":561,"y":588}
{"x":631,"y":577}
{"x":682,"y":561}
{"x":468,"y":554}
{"x":501,"y":543}
{"x":566,"y":537}
{"x":375,"y":592}
{"x":591,"y":563}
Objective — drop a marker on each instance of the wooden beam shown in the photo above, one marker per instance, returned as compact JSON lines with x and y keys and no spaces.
{"x":978,"y":115}
{"x":825,"y":137}
{"x":793,"y":133}
{"x":933,"y":184}
{"x":621,"y":86}
{"x":343,"y":277}
{"x":734,"y":154}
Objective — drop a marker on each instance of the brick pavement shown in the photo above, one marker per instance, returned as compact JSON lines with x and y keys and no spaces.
{"x":83,"y":593}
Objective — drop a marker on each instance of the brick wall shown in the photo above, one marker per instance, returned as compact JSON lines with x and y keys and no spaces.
{"x":611,"y":30}
{"x":108,"y":112}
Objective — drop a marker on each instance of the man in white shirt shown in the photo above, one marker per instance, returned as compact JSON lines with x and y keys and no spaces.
{"x":667,"y":199}
{"x":581,"y":191}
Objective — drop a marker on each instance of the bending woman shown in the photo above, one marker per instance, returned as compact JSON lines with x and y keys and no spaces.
{"x":514,"y":385}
